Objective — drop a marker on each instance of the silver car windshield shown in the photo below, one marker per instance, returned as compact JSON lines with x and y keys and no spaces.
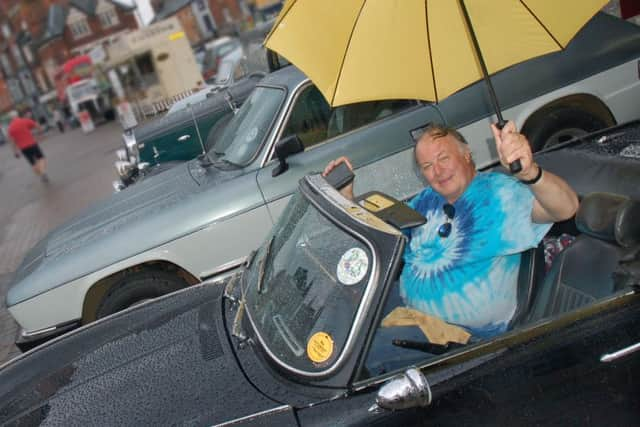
{"x":304,"y":288}
{"x":245,"y":133}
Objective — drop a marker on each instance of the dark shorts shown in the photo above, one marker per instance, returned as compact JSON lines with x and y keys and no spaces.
{"x":32,"y":154}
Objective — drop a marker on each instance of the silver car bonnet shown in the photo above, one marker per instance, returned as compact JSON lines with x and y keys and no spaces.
{"x":153,"y":212}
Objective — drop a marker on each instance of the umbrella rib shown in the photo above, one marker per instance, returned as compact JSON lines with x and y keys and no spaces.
{"x":522,"y":2}
{"x":433,"y":70}
{"x":333,"y":98}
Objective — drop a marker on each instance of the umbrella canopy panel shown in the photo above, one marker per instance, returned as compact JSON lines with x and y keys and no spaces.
{"x":358,"y":50}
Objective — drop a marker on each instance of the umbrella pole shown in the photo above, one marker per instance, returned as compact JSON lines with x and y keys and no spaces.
{"x":514,"y":166}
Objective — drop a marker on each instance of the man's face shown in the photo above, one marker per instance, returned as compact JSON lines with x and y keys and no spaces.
{"x":447,"y":168}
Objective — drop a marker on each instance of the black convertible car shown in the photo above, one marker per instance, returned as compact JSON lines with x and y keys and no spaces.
{"x":297,"y":336}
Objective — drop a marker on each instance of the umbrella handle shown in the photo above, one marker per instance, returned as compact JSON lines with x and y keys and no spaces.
{"x":515,"y":166}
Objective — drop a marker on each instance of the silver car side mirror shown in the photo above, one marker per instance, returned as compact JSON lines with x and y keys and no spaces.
{"x":405,"y":391}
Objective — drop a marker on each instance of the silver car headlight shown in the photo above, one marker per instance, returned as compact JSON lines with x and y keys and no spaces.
{"x":121,"y":154}
{"x":124,"y":169}
{"x":131,"y":146}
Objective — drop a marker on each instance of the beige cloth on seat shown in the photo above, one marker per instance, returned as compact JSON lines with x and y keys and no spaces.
{"x":435,"y":329}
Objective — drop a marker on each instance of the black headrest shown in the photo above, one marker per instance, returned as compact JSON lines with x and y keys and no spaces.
{"x":610,"y":217}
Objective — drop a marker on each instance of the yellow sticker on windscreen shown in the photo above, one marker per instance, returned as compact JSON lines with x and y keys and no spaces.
{"x":320,"y":347}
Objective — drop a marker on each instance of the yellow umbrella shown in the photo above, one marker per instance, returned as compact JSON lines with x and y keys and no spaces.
{"x":361,"y":50}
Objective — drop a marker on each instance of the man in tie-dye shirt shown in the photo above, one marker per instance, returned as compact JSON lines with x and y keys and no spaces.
{"x":462,"y":265}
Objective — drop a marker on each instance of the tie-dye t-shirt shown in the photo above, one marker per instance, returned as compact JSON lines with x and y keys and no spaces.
{"x":470,"y":277}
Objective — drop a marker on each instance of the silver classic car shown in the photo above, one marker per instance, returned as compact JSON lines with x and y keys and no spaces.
{"x":202,"y":218}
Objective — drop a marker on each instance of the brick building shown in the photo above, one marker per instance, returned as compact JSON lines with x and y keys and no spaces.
{"x":37,"y":36}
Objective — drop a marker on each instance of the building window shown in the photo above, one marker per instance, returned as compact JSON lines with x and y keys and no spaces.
{"x":6,"y":65}
{"x":108,"y":18}
{"x":200,"y":5}
{"x":227,"y":15}
{"x":79,"y":28}
{"x":26,"y":50}
{"x":15,"y":50}
{"x":16,"y":91}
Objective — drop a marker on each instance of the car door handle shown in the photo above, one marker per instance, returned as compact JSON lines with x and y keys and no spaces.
{"x":184,"y":138}
{"x":610,"y":357}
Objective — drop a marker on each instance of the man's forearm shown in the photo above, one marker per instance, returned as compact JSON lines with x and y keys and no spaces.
{"x":555,"y":199}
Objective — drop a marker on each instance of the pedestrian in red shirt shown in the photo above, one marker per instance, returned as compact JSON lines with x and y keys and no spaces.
{"x":20,"y":132}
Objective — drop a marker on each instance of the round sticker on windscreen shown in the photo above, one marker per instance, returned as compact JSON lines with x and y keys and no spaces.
{"x":320,"y":347}
{"x":352,"y":266}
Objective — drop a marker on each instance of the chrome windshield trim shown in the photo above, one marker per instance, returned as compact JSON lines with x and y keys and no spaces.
{"x":266,"y":140}
{"x":278,"y":127}
{"x":359,"y":317}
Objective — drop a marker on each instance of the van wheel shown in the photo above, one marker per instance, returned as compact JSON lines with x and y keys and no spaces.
{"x":137,"y":288}
{"x":561,"y":125}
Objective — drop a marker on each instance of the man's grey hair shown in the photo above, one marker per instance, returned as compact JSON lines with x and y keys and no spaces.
{"x":436,"y":130}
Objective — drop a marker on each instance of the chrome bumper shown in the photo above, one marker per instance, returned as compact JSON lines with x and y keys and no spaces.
{"x":29,"y":339}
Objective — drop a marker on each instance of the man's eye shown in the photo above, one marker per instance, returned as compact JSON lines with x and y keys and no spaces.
{"x":426,"y":167}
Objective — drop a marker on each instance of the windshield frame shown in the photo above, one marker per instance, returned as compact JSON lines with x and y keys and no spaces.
{"x":268,"y":133}
{"x":326,"y":201}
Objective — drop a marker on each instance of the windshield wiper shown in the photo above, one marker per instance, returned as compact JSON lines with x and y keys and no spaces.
{"x":224,"y":162}
{"x":230,"y":101}
{"x":263,"y":264}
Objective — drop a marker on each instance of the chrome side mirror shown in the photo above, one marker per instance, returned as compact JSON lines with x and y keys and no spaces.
{"x":284,"y":148}
{"x":405,"y":391}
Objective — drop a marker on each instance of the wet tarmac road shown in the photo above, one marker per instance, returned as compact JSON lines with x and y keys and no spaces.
{"x":80,"y":168}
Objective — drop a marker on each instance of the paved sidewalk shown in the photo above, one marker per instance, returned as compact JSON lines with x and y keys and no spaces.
{"x":80,"y":168}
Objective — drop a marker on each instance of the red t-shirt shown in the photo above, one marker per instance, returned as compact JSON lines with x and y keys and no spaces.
{"x":20,"y":130}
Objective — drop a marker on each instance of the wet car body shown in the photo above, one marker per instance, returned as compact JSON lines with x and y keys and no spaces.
{"x":202,"y":218}
{"x":226,"y":353}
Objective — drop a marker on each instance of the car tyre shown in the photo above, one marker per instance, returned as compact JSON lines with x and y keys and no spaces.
{"x":561,"y":125}
{"x":136,"y":288}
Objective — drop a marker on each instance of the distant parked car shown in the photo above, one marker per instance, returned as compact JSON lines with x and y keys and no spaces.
{"x":215,"y":51}
{"x":202,"y":218}
{"x":188,"y":129}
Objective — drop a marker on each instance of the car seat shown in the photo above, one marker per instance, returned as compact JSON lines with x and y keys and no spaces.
{"x":530,"y":275}
{"x":583,"y":272}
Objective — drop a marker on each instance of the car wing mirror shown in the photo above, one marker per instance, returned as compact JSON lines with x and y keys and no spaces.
{"x":284,"y":148}
{"x":408,"y":390}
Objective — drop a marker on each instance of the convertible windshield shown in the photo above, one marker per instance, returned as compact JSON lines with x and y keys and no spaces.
{"x":305,"y":286}
{"x":244,"y":134}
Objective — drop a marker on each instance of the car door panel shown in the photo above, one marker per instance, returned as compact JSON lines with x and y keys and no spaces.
{"x":525,"y":378}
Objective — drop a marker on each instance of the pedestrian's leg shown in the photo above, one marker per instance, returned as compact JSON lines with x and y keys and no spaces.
{"x":41,"y":169}
{"x":60,"y":127}
{"x":41,"y":166}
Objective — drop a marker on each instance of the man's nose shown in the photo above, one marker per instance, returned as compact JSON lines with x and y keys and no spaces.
{"x":436,"y":168}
